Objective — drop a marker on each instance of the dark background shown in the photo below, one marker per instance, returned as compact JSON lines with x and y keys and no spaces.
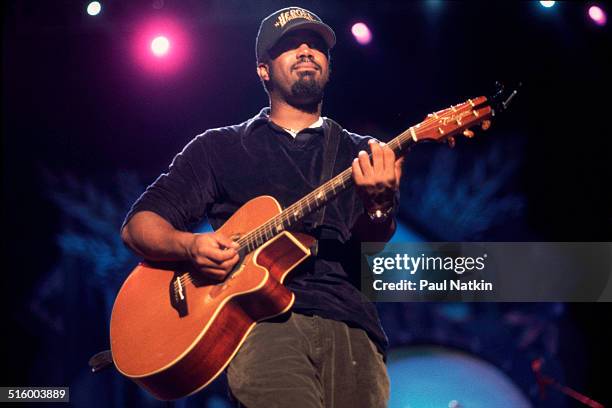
{"x":85,"y":128}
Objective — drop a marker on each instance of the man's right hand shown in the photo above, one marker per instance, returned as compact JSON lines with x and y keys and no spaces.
{"x":213,"y":254}
{"x":155,"y":239}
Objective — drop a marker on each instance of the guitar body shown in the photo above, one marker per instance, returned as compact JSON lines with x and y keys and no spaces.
{"x":173,"y":335}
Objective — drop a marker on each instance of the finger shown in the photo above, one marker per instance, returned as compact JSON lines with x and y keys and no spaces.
{"x":226,"y":265}
{"x":399,"y":163}
{"x":220,"y":269}
{"x":357,"y":173}
{"x":219,"y":255}
{"x":225,"y":242}
{"x":213,"y":273}
{"x":364,"y":163}
{"x":377,"y":157}
{"x":230,"y":263}
{"x":389,"y":160}
{"x":205,"y":264}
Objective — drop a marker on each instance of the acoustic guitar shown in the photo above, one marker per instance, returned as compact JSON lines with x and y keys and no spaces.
{"x":173,"y":332}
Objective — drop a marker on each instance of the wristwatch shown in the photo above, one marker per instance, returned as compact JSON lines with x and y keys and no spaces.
{"x":379,"y":215}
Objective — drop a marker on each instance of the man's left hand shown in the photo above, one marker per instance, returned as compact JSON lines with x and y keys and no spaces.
{"x":377,"y":179}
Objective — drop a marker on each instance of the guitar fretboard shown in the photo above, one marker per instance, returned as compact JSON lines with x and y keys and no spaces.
{"x":316,"y":199}
{"x":439,"y":126}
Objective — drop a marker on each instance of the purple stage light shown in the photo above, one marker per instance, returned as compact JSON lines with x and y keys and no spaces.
{"x":362,"y":33}
{"x":598,"y":15}
{"x":160,"y":46}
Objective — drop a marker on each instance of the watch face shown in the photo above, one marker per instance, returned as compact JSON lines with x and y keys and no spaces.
{"x":379,"y":215}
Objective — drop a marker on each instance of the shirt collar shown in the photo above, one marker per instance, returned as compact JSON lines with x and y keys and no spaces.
{"x":264,"y":115}
{"x":317,"y":124}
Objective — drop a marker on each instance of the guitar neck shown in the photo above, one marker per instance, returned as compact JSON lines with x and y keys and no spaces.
{"x":315,"y":200}
{"x":438,"y":126}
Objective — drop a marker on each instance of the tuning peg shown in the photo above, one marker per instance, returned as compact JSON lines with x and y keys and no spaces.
{"x":451,"y":141}
{"x":485,"y":124}
{"x":468,"y":133}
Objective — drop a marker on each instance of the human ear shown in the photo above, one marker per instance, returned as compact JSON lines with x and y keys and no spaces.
{"x":263,"y":71}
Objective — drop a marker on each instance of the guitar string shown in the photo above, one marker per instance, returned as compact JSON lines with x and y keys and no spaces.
{"x":341,"y":179}
{"x":296,"y":208}
{"x":259,"y":234}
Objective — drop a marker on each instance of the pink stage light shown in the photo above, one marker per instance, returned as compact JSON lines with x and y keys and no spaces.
{"x":160,"y":46}
{"x":598,"y":15}
{"x":362,"y":33}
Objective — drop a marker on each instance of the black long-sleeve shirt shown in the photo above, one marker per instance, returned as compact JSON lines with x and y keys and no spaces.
{"x":221,"y":169}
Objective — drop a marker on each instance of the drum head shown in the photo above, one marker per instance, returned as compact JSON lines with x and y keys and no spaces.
{"x":428,"y":377}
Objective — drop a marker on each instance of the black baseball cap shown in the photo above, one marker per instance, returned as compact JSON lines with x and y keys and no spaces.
{"x":281,"y":22}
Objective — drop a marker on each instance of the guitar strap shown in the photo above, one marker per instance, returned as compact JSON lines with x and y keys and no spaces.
{"x":330,"y":150}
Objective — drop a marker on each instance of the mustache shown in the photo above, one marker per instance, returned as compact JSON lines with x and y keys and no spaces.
{"x":303,"y":60}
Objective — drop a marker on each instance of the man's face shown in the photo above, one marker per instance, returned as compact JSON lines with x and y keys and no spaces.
{"x":299,"y":68}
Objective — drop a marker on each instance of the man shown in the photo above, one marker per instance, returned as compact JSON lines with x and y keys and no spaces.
{"x":328,"y":351}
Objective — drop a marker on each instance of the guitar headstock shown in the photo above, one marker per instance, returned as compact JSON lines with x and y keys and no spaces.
{"x":443,"y":125}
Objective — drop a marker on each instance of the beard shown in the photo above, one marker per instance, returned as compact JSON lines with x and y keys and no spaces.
{"x":307,"y":88}
{"x":305,"y":94}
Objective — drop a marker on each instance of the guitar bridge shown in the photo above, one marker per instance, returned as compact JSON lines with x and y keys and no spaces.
{"x":178,"y":295}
